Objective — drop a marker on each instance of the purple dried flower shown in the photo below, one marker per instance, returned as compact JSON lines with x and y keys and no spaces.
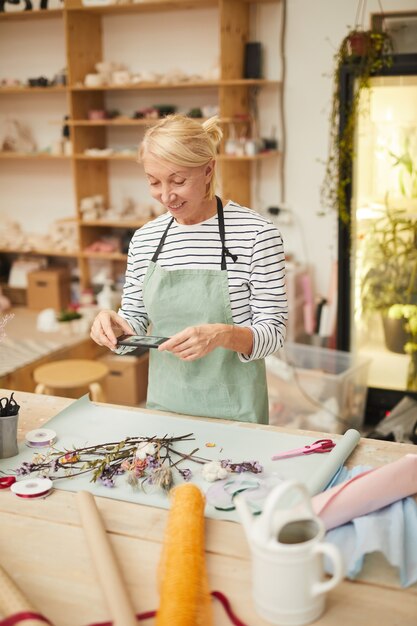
{"x":245,"y":466}
{"x":25,"y":468}
{"x":106,"y":481}
{"x":152,"y":462}
{"x":257,"y":468}
{"x":185,"y":473}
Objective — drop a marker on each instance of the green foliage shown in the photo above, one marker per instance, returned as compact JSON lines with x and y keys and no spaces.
{"x":367,"y":52}
{"x":389,"y":263}
{"x":407,"y":170}
{"x":67,"y":315}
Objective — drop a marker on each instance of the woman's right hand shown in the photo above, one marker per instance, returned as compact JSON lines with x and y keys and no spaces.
{"x":107,"y":326}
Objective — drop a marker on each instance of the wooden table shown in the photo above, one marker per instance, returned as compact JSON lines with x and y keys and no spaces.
{"x":43,"y":548}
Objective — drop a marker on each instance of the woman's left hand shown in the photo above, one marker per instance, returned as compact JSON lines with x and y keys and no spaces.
{"x":195,"y":342}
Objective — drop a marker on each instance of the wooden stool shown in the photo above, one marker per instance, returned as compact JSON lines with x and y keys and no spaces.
{"x":69,"y":374}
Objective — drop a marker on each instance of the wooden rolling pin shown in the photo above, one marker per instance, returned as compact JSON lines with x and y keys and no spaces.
{"x":107,"y":568}
{"x":12,"y":601}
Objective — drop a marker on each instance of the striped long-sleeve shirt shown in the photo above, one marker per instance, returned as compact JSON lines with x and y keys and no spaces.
{"x":256,"y":280}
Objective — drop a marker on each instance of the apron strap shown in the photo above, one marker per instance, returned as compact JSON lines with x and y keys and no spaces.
{"x":161,"y":243}
{"x":225,"y":251}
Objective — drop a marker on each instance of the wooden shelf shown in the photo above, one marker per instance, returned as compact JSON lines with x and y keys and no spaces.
{"x":127,"y":121}
{"x":150,"y":6}
{"x":195,"y":84}
{"x":40,"y":252}
{"x":26,"y":90}
{"x":221,"y":157}
{"x":114,"y":224}
{"x":31,"y":15}
{"x":268,"y":154}
{"x":110,"y":157}
{"x":10,"y":156}
{"x":110,"y":256}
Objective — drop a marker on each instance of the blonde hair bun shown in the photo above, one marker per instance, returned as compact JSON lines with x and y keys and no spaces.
{"x":213,"y":129}
{"x":184,"y":141}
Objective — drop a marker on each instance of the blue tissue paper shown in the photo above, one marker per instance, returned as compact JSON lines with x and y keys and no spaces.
{"x":391,"y":530}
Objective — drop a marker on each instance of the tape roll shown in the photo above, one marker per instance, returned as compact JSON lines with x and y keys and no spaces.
{"x":40,"y":438}
{"x":32,"y":487}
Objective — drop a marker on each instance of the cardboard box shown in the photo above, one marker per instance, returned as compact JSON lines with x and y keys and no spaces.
{"x":127,"y":380}
{"x":49,"y":288}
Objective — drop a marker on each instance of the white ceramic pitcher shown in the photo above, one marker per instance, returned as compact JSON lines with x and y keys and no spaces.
{"x":287,"y":557}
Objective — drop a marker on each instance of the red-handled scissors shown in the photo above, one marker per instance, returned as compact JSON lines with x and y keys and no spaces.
{"x":320,"y":446}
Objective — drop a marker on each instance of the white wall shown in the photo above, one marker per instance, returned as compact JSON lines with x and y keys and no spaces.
{"x":314,"y":31}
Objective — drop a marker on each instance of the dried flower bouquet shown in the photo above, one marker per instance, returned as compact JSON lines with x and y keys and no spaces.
{"x":143,"y":460}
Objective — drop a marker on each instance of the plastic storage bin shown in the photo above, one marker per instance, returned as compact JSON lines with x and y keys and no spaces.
{"x":316,"y":388}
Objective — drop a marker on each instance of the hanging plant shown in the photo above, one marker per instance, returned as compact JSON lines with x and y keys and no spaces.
{"x":366,"y":52}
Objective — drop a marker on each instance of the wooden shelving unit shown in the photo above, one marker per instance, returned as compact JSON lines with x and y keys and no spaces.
{"x":108,"y":256}
{"x":261,"y":156}
{"x":41,"y":252}
{"x":20,"y":16}
{"x":41,"y":156}
{"x":222,"y":157}
{"x":127,"y":121}
{"x":32,"y":90}
{"x":192,"y":84}
{"x":113,"y":224}
{"x":143,"y":7}
{"x":84,"y":48}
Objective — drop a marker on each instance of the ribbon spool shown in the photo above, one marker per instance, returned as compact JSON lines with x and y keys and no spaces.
{"x":32,"y":487}
{"x":40,"y":438}
{"x":6,"y":481}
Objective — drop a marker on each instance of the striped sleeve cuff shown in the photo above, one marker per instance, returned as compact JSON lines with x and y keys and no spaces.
{"x":266,"y":341}
{"x":138,"y":325}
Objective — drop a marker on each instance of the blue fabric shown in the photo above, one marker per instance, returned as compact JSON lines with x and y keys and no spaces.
{"x":391,"y":530}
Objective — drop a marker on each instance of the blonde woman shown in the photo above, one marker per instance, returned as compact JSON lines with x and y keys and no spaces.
{"x":209,"y":277}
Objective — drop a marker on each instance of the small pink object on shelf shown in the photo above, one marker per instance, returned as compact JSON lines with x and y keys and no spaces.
{"x":97,"y":114}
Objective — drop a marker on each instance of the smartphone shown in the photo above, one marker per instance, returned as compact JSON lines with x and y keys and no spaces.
{"x":142,"y":341}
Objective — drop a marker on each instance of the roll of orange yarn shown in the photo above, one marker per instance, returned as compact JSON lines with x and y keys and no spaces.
{"x":184,"y":591}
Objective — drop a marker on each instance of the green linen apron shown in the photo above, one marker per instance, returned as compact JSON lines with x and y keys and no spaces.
{"x":218,"y":384}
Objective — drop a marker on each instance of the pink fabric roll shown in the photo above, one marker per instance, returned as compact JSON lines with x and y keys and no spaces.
{"x":97,"y":114}
{"x":367,"y":492}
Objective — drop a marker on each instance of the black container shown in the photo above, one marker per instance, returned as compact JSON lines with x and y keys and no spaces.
{"x":253,"y":60}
